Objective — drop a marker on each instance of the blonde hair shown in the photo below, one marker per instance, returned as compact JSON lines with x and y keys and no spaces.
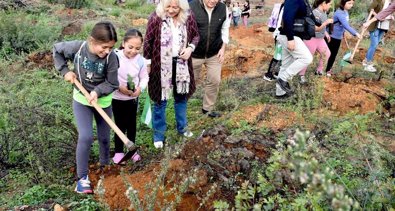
{"x":182,"y":15}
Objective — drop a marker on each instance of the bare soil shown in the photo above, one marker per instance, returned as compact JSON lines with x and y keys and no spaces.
{"x":216,"y":157}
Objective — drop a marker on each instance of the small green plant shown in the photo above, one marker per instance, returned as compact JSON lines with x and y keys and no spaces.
{"x":130,"y":83}
{"x":76,"y":4}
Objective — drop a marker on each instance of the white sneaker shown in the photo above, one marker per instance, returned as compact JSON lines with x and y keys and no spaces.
{"x":364,"y":62}
{"x":370,"y":68}
{"x":158,"y":144}
{"x":187,"y":134}
{"x":303,"y":79}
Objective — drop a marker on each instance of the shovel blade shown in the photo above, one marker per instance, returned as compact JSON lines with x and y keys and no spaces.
{"x":128,"y":155}
{"x":347,"y":56}
{"x":346,"y":59}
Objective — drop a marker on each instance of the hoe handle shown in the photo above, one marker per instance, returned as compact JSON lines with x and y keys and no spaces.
{"x":109,"y":121}
{"x":359,"y":40}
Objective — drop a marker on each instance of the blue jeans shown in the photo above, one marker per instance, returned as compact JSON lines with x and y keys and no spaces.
{"x":236,"y":20}
{"x":159,"y":116}
{"x":375,"y":37}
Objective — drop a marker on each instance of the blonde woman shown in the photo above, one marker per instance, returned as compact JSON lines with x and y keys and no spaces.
{"x":171,"y":37}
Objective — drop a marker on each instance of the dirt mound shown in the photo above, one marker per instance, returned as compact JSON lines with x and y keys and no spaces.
{"x":381,"y":55}
{"x":270,"y":116}
{"x":139,"y":22}
{"x":246,"y":54}
{"x":72,"y":28}
{"x":215,"y":158}
{"x":75,"y":14}
{"x":41,"y":59}
{"x":354,"y":95}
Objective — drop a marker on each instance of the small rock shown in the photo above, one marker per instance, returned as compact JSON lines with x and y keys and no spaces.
{"x":112,"y":193}
{"x":57,"y":207}
{"x":244,"y":165}
{"x":245,"y":153}
{"x":232,"y":140}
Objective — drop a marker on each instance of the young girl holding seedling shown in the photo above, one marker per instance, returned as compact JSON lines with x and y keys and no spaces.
{"x":133,"y":78}
{"x":340,"y":24}
{"x":317,"y":43}
{"x":95,"y":67}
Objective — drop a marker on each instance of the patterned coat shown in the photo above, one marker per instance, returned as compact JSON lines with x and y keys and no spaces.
{"x":152,"y":51}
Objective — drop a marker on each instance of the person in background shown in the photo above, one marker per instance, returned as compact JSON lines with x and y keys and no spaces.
{"x":95,"y":67}
{"x":245,"y":14}
{"x":295,"y":54}
{"x":171,"y":37}
{"x":236,"y":12}
{"x":133,"y":72}
{"x":317,"y":43}
{"x":381,"y":16}
{"x":376,"y":30}
{"x":213,"y":22}
{"x":274,"y":25}
{"x":340,"y":24}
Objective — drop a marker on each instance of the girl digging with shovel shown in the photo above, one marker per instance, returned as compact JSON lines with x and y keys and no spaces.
{"x":95,"y":66}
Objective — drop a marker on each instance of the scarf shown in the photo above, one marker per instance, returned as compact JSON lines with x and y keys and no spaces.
{"x":182,"y":72}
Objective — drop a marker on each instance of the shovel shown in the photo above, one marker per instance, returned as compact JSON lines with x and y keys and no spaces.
{"x":130,"y":145}
{"x":347,"y":55}
{"x":359,"y":40}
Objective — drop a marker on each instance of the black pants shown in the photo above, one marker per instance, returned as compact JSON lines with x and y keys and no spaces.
{"x":333,"y":46}
{"x":125,"y":114}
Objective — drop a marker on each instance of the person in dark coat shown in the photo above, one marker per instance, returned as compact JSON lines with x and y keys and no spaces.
{"x":171,"y":37}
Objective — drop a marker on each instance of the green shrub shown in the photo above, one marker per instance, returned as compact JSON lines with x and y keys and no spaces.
{"x":37,"y":132}
{"x":25,"y":33}
{"x":76,"y":4}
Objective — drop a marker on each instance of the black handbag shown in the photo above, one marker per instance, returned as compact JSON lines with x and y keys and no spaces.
{"x":305,"y":27}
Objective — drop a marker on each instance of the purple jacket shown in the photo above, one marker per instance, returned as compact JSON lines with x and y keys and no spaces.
{"x":383,"y":14}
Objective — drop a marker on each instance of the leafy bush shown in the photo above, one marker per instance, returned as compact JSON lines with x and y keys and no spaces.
{"x":302,"y":176}
{"x":36,"y":128}
{"x":25,"y":33}
{"x":76,"y":4}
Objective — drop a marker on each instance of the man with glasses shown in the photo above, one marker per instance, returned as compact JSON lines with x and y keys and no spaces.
{"x":213,"y":23}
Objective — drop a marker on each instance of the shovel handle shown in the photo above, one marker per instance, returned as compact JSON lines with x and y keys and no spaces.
{"x":109,"y":121}
{"x":359,"y":40}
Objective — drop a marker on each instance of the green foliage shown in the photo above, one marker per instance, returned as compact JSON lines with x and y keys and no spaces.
{"x":76,"y":4}
{"x":38,"y":133}
{"x":38,"y":194}
{"x":25,"y":33}
{"x":87,"y":204}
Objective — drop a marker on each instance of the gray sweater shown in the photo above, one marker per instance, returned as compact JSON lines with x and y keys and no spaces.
{"x":95,"y":73}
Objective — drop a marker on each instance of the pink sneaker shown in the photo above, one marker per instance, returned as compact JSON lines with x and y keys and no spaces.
{"x":117,"y":157}
{"x":136,"y":157}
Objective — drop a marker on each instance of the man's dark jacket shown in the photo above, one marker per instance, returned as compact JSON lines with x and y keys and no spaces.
{"x":210,"y":32}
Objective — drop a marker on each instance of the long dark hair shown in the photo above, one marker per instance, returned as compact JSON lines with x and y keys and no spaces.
{"x":318,"y":2}
{"x":131,"y":33}
{"x":342,"y":3}
{"x":104,"y":31}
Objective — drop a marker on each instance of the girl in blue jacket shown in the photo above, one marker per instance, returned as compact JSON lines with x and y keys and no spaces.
{"x":340,"y":20}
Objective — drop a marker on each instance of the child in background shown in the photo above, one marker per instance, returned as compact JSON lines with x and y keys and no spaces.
{"x":317,"y":43}
{"x":340,"y":20}
{"x":125,"y":99}
{"x":95,"y":67}
{"x":245,"y":14}
{"x":236,"y":12}
{"x":274,"y":25}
